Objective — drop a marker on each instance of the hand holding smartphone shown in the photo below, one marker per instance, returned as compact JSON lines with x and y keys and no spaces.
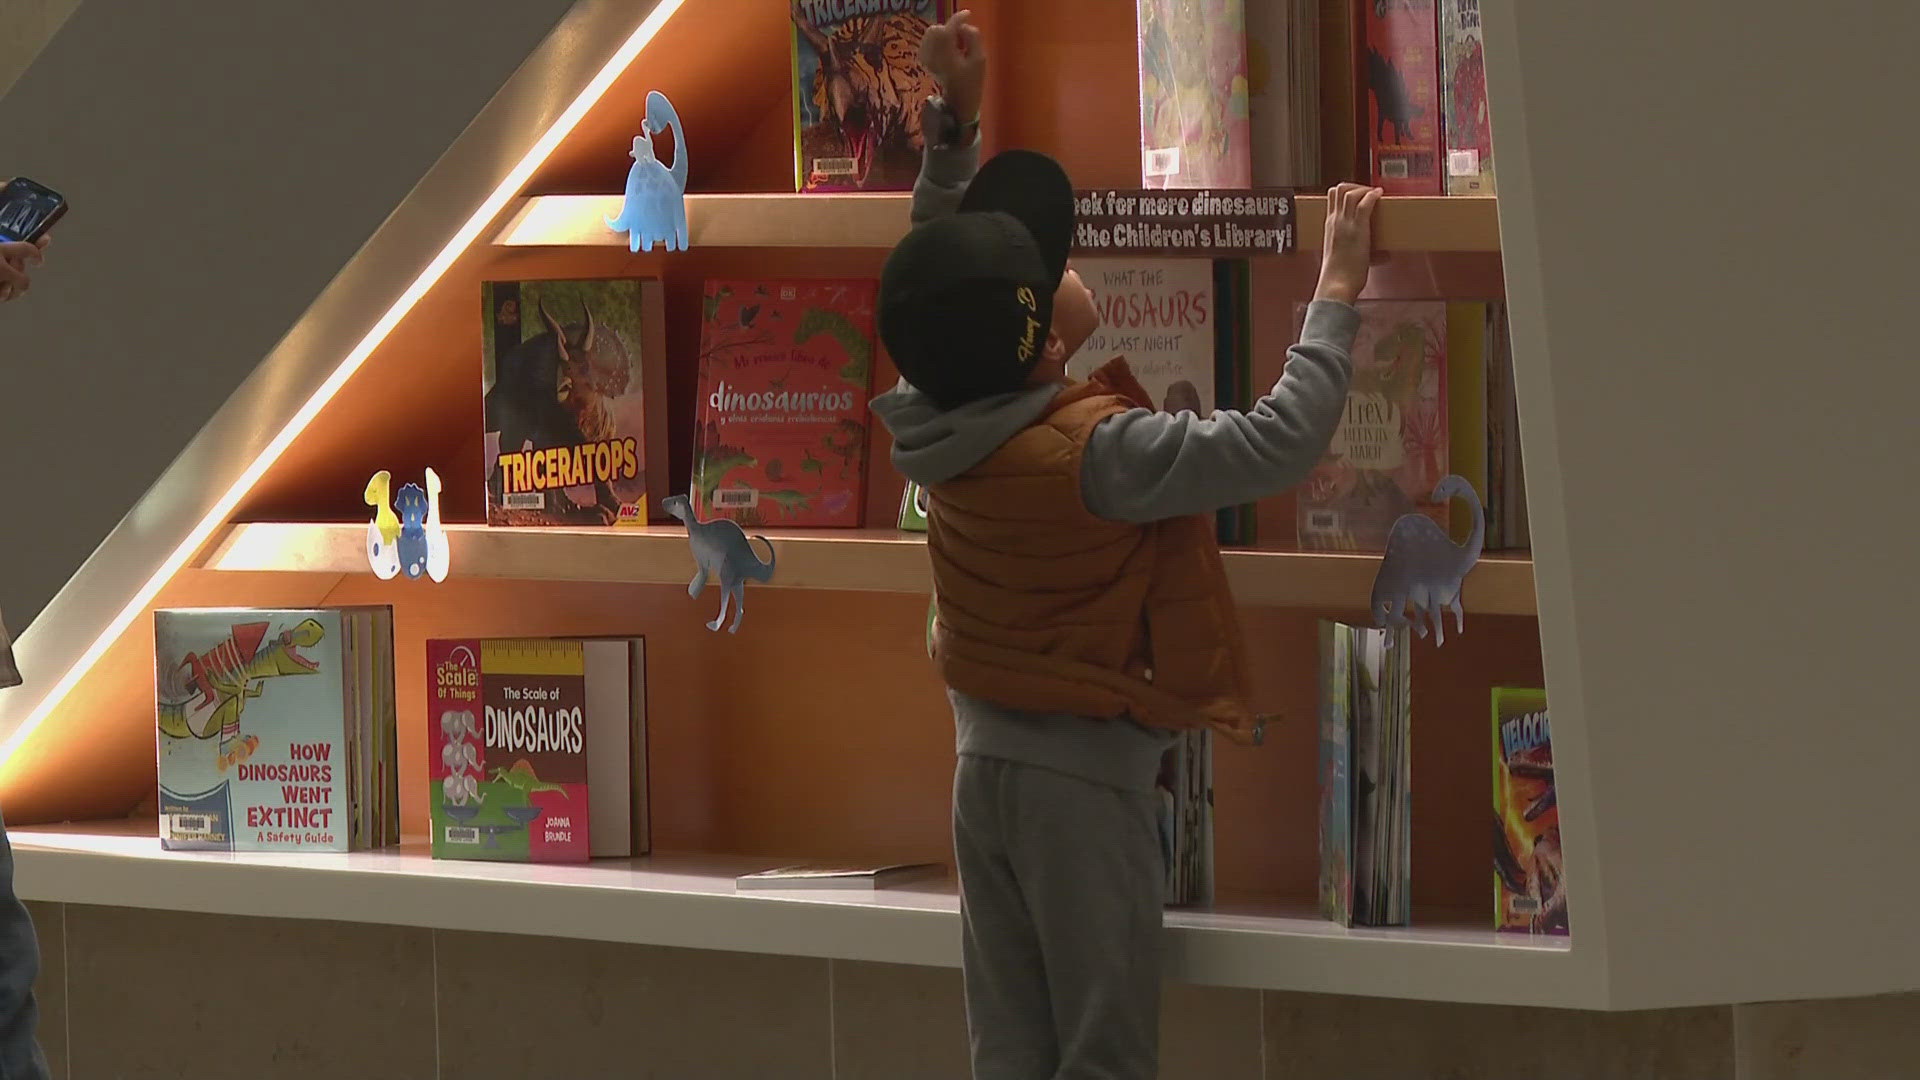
{"x":28,"y":211}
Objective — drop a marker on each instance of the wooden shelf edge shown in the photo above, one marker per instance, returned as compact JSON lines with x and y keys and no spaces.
{"x":690,"y":903}
{"x":1406,"y":223}
{"x":855,"y":560}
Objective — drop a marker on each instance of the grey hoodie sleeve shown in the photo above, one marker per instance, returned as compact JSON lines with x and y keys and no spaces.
{"x":945,"y":171}
{"x":1144,"y":466}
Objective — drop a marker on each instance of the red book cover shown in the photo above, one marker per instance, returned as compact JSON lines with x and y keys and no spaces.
{"x":785,"y":371}
{"x":1399,"y":70}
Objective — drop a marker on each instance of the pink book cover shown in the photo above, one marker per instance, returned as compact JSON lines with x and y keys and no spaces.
{"x":1194,"y":130}
{"x":1391,"y":447}
{"x":785,"y":373}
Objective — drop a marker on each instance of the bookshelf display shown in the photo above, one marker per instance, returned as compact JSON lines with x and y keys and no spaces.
{"x":766,"y":743}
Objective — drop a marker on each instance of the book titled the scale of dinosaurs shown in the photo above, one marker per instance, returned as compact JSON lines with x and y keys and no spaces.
{"x":857,"y":92}
{"x":574,"y":377}
{"x":1398,"y":65}
{"x":1391,"y":447}
{"x":538,"y":748}
{"x":780,"y":437}
{"x":276,"y":729}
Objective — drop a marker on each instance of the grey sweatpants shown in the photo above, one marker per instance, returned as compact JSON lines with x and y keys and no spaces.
{"x":1061,"y":917}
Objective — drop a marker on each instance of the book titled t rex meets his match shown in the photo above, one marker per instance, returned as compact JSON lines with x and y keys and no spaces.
{"x":276,"y":729}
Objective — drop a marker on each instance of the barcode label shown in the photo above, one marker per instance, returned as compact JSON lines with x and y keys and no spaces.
{"x":525,"y":500}
{"x":1526,"y":905}
{"x":462,"y":834}
{"x":736,"y":498}
{"x":1394,"y":168}
{"x":189,"y":823}
{"x":1327,"y":520}
{"x":1463,"y":163}
{"x":835,"y":166}
{"x":1164,"y":161}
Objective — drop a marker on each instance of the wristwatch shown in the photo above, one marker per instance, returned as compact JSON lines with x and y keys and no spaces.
{"x":949,"y":131}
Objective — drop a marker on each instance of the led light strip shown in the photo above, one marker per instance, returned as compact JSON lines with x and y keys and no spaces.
{"x":508,"y":188}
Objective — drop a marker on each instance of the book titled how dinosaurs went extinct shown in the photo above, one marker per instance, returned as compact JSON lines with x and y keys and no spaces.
{"x":276,"y":729}
{"x":781,"y":434}
{"x":538,"y":748}
{"x":574,"y":377}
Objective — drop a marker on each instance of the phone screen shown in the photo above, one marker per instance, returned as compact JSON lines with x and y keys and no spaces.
{"x":27,"y":208}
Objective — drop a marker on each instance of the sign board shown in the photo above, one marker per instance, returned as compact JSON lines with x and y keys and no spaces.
{"x":1199,"y":222}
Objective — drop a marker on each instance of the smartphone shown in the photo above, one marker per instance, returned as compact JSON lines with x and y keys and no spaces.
{"x":28,"y":209}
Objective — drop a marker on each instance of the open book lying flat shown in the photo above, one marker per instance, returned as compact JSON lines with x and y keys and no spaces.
{"x":817,"y":876}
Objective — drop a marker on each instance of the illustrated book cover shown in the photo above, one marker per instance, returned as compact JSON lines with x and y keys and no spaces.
{"x":1193,"y":94}
{"x":574,"y":385}
{"x":1391,"y":448}
{"x":1399,"y":75}
{"x":780,"y":434}
{"x":1463,"y":85}
{"x":1529,"y":882}
{"x":857,"y":92}
{"x":273,"y":733}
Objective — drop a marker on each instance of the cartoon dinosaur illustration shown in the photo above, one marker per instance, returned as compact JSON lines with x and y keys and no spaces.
{"x":439,"y":553}
{"x":721,"y":550}
{"x":383,"y":532}
{"x":1423,"y":567}
{"x":655,"y":207}
{"x":412,"y":504}
{"x":1391,"y":102}
{"x":520,"y":777}
{"x":224,"y":677}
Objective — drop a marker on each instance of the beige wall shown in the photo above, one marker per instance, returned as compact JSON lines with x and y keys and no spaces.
{"x":25,"y":28}
{"x":224,"y":159}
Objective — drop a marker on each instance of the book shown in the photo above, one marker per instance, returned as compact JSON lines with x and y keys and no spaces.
{"x":1399,"y":75}
{"x":1193,"y":94}
{"x":1365,"y":764}
{"x":1467,"y":355}
{"x":1160,"y":315}
{"x":1283,"y":92}
{"x":819,"y":876}
{"x":574,"y":384}
{"x":913,"y":508}
{"x":1506,"y":478}
{"x":539,"y":748}
{"x":1391,"y":447}
{"x":274,"y":731}
{"x":1529,"y":878}
{"x":1463,"y":88}
{"x":857,"y":91}
{"x":781,"y":433}
{"x":1185,"y":790}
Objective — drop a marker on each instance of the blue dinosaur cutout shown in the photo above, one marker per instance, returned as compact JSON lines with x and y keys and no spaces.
{"x":656,"y":205}
{"x":412,"y":505}
{"x":1420,"y":574}
{"x":721,"y":550}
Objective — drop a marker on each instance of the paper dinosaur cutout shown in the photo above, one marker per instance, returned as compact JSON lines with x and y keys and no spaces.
{"x":656,"y":207}
{"x":383,"y":532}
{"x":1421,"y":572}
{"x":721,"y":550}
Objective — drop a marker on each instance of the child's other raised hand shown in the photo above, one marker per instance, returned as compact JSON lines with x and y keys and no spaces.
{"x":1348,"y":247}
{"x":952,"y":52}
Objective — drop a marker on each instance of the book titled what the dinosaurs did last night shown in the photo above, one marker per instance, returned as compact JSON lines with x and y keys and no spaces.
{"x":533,"y":748}
{"x":276,"y":729}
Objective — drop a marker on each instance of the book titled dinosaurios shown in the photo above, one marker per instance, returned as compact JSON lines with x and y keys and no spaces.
{"x":276,"y":729}
{"x":533,"y":748}
{"x":574,"y":377}
{"x":857,"y":92}
{"x":781,"y":433}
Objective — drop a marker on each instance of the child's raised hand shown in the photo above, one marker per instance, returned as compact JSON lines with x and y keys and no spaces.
{"x":1348,"y":246}
{"x":952,"y":52}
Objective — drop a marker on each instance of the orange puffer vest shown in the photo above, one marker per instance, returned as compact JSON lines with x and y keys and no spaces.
{"x":1044,"y":607}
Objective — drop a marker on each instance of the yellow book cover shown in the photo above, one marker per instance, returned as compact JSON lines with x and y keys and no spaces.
{"x":1467,"y":403}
